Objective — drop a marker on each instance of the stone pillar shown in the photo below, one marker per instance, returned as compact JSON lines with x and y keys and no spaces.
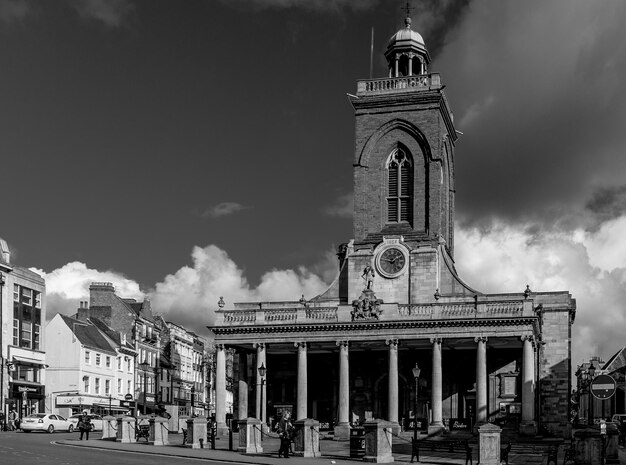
{"x":588,"y":444}
{"x":109,"y":428}
{"x":342,"y":429}
{"x":489,"y":444}
{"x":481,"y":380}
{"x":528,"y":425}
{"x":307,"y":439}
{"x":392,"y":412}
{"x":436,"y":401}
{"x":396,"y":63}
{"x":378,"y":441}
{"x":250,"y":436}
{"x":410,"y":64}
{"x":301,"y":404}
{"x":261,"y":392}
{"x":126,"y":429}
{"x":220,"y":390}
{"x":196,"y":433}
{"x":242,"y":411}
{"x":158,"y":431}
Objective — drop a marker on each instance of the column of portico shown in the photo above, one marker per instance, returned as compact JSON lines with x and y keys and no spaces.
{"x":342,"y":429}
{"x":437,"y":387}
{"x":301,"y":401}
{"x":261,"y":391}
{"x":481,"y":380}
{"x":528,"y":425}
{"x":392,"y":409}
{"x":220,"y":389}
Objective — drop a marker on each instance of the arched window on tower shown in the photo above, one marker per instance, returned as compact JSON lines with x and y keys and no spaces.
{"x":399,"y":187}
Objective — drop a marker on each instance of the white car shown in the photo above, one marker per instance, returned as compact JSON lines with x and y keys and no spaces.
{"x":45,"y":422}
{"x":96,"y":421}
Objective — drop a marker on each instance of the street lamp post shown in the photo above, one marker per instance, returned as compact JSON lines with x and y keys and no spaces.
{"x":416,"y":375}
{"x":591,"y":371}
{"x":262,"y":372}
{"x":110,"y":398}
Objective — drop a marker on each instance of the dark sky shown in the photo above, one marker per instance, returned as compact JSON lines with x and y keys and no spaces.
{"x":188,"y":150}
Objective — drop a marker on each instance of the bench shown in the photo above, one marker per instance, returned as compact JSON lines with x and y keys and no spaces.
{"x":142,"y":431}
{"x":548,"y":448}
{"x":442,"y":445}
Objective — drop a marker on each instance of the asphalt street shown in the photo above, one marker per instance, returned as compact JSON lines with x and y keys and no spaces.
{"x":18,"y":448}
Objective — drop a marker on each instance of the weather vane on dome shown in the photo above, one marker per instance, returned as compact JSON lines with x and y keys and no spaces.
{"x":408,"y":9}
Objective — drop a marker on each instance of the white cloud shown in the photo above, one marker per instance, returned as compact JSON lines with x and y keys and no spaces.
{"x":505,"y":258}
{"x":223,"y":209}
{"x":190,"y":295}
{"x":68,"y":285}
{"x":111,"y":12}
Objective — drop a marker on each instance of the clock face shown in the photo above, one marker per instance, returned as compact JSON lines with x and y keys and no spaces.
{"x":391,"y":262}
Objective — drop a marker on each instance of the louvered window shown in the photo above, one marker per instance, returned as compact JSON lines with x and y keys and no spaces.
{"x":399,"y":187}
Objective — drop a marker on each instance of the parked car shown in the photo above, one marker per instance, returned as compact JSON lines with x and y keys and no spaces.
{"x":619,"y":418}
{"x":96,"y":421}
{"x":45,"y":422}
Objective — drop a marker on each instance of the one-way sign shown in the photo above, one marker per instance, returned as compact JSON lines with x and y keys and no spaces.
{"x":603,"y":387}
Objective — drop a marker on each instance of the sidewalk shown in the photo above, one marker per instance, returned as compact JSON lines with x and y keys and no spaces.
{"x":335,"y":452}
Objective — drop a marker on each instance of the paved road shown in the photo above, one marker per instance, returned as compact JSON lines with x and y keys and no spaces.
{"x":17,"y":448}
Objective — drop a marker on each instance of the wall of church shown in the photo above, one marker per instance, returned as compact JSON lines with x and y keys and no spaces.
{"x":370,"y":182}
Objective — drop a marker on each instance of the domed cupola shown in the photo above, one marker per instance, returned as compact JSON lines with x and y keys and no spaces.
{"x":406,"y":53}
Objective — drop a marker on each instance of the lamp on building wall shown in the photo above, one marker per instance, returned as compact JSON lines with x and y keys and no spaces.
{"x":262,"y":373}
{"x":416,"y":375}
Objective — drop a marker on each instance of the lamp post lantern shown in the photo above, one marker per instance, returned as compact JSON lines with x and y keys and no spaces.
{"x":262,"y":373}
{"x":591,"y":371}
{"x":416,"y":375}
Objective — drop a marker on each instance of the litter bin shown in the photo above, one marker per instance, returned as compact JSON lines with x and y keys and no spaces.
{"x":357,"y":442}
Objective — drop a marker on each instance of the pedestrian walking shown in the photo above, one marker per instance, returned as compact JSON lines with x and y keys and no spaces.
{"x":84,"y":426}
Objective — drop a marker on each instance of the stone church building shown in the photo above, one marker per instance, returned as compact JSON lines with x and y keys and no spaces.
{"x":397,"y":303}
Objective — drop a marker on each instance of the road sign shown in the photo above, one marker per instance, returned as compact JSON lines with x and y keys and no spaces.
{"x":603,"y":387}
{"x":128,"y":397}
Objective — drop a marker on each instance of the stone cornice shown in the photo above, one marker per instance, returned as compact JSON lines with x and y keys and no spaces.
{"x":372,"y":326}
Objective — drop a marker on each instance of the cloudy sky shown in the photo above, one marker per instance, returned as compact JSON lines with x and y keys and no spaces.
{"x":191,"y":150}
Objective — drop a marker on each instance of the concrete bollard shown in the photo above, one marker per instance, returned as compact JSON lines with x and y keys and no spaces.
{"x":109,"y":428}
{"x":126,"y":429}
{"x":489,"y":444}
{"x":196,"y":431}
{"x":307,"y":438}
{"x":378,"y":441}
{"x":158,"y":431}
{"x":250,"y":436}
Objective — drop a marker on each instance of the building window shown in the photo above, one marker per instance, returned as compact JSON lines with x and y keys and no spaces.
{"x":37,"y":299}
{"x":119,"y":386}
{"x":16,"y":293}
{"x":16,"y":332}
{"x":27,"y":296}
{"x":97,"y":360}
{"x":88,"y":357}
{"x":128,"y":386}
{"x":108,"y":361}
{"x":97,"y":386}
{"x":128,"y":365}
{"x":26,"y":335}
{"x":107,"y":386}
{"x":86,"y":384}
{"x":399,"y":187}
{"x":36,"y":337}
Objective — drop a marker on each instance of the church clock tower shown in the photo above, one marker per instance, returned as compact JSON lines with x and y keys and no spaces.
{"x":403,"y":180}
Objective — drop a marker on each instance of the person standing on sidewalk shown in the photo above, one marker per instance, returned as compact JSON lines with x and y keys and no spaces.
{"x":84,"y":425}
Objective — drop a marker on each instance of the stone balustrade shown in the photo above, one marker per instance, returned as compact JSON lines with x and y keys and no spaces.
{"x":310,"y":314}
{"x":398,"y":84}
